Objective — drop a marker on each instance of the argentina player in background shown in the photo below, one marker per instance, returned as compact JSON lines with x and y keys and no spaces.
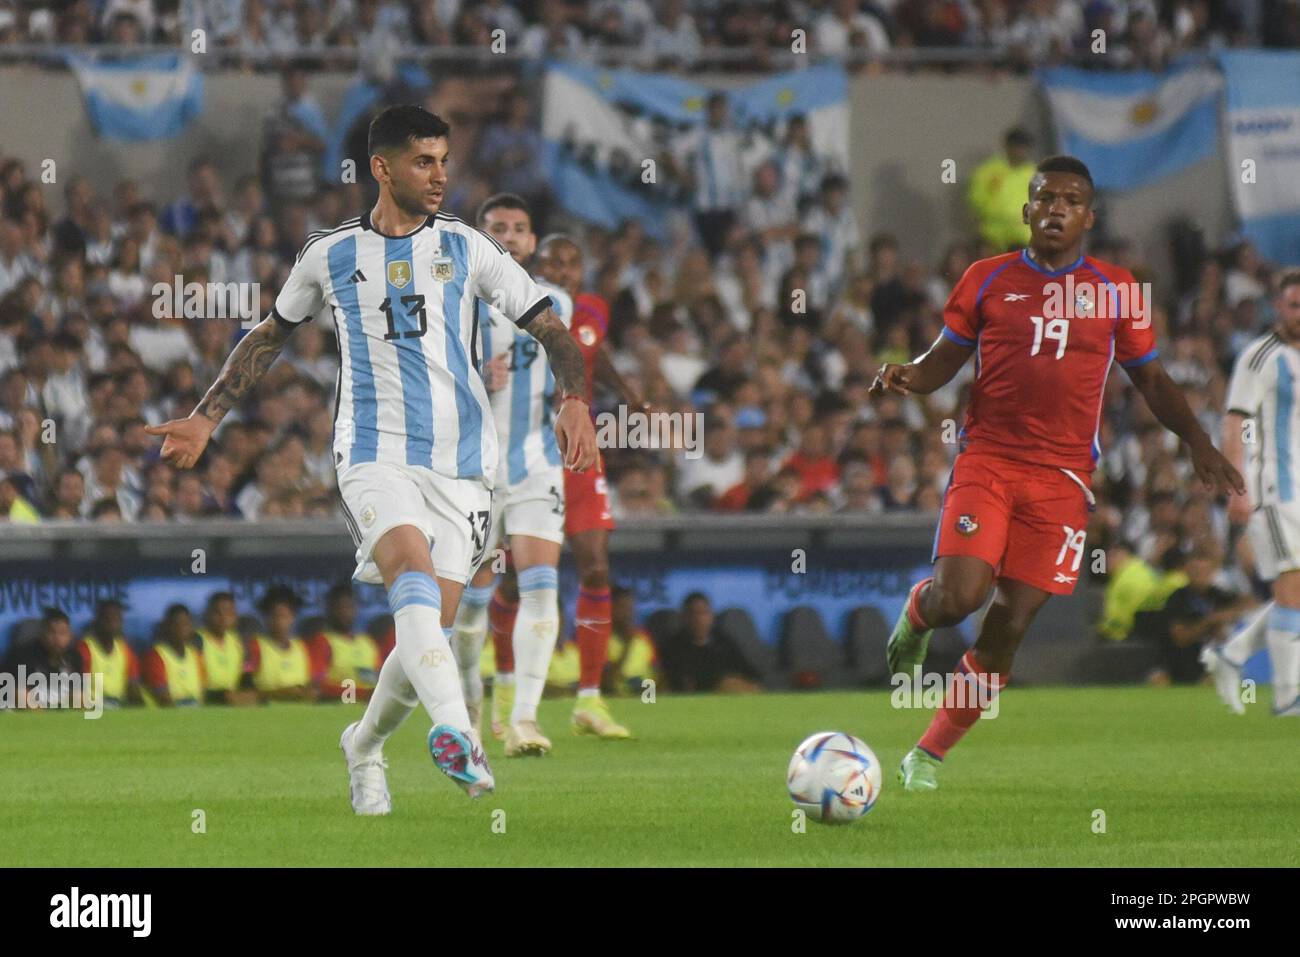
{"x":414,"y":442}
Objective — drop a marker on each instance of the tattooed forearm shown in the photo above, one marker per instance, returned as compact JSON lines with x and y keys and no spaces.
{"x":562,"y":352}
{"x":246,"y":364}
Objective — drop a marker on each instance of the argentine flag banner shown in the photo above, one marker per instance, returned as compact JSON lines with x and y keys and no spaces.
{"x":1262,"y":125}
{"x":600,"y":127}
{"x":140,"y":98}
{"x":1136,"y":128}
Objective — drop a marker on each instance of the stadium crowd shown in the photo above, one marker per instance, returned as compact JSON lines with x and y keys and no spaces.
{"x":769,"y":317}
{"x":667,"y":33}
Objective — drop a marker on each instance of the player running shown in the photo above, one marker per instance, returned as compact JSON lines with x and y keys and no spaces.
{"x":527,"y":504}
{"x":1262,"y":392}
{"x":1044,"y":324}
{"x":414,"y":442}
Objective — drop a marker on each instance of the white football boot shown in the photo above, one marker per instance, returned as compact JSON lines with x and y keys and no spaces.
{"x":369,"y":785}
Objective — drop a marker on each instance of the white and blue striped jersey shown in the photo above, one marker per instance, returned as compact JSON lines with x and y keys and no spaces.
{"x":1264,"y":388}
{"x":409,"y":391}
{"x":523,"y":407}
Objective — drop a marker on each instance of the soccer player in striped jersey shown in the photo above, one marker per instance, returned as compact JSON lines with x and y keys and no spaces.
{"x":527,"y":503}
{"x":414,"y":441}
{"x":1044,"y":324}
{"x":1261,"y":435}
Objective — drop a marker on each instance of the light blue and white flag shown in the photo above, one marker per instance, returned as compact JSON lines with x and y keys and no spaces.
{"x":1262,"y":125}
{"x":141,"y":98}
{"x":599,"y":127}
{"x":1133,"y":129}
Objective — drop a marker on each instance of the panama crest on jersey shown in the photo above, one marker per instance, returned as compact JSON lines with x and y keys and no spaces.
{"x":967,"y":525}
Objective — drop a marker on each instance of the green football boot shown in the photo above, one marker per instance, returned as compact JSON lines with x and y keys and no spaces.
{"x":907,"y":646}
{"x":919,"y":771}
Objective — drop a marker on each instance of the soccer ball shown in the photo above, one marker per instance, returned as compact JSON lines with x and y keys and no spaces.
{"x":834,"y":777}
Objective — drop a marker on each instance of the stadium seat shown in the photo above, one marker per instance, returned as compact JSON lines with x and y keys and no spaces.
{"x":311,"y":625}
{"x":865,"y":639}
{"x":736,"y":625}
{"x":808,"y":654}
{"x":662,"y":624}
{"x":946,"y":648}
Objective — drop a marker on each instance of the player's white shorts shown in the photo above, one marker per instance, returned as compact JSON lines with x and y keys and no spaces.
{"x":1274,"y":533}
{"x":533,"y":507}
{"x":455,"y":514}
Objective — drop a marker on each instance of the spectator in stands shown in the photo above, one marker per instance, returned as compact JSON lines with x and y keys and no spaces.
{"x":632,"y":656}
{"x":173,"y":668}
{"x":702,"y":480}
{"x":673,"y":40}
{"x":1135,"y":587}
{"x":278,"y":659}
{"x":104,"y":650}
{"x":813,"y":463}
{"x":745,"y":494}
{"x":293,"y":140}
{"x":203,"y":191}
{"x":835,"y":30}
{"x":348,"y":661}
{"x":699,"y":657}
{"x":50,"y":655}
{"x":1195,"y":614}
{"x":223,"y":653}
{"x":835,"y":225}
{"x":709,"y":159}
{"x":998,"y":188}
{"x":510,"y":152}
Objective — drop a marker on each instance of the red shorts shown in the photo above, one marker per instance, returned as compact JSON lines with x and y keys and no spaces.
{"x":1027,"y":521}
{"x":586,"y":500}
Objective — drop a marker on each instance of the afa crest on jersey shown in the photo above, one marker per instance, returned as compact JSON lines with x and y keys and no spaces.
{"x":967,"y":525}
{"x":442,"y":269}
{"x":399,"y":272}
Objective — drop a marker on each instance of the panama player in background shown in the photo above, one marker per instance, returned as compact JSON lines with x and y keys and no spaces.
{"x":1016,"y":509}
{"x":527,"y":503}
{"x":587,"y":520}
{"x":1262,"y":391}
{"x":414,"y":441}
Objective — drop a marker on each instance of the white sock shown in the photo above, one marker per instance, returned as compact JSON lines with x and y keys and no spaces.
{"x":390,"y":703}
{"x":468,"y":635}
{"x":1284,"y":650}
{"x":1238,"y":649}
{"x":424,"y":648}
{"x":536,"y":628}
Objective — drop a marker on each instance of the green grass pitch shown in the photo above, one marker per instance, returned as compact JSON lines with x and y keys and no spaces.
{"x":1180,"y":782}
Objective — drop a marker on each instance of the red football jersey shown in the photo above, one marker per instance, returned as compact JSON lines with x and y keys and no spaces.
{"x":590,"y":320}
{"x":1044,"y":342}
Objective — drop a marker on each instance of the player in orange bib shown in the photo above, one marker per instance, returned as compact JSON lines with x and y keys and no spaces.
{"x":1044,"y":325}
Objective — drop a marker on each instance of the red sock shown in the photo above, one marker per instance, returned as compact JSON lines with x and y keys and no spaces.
{"x":591,"y":629}
{"x":972,"y":684}
{"x":914,"y":605}
{"x":501,"y":622}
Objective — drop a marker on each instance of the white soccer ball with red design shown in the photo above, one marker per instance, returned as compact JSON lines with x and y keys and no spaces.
{"x":834,"y":777}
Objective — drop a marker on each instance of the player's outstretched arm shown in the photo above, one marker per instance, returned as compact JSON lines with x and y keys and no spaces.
{"x":1231,"y":441}
{"x":931,"y":371}
{"x":574,"y":432}
{"x":187,"y":438}
{"x":1166,"y":401}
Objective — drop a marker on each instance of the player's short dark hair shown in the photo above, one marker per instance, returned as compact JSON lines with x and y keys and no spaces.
{"x":502,"y":201}
{"x":174,"y":610}
{"x":217,"y":596}
{"x":693,"y":597}
{"x":398,"y":125}
{"x":50,"y":615}
{"x":1287,"y":278}
{"x":617,"y":592}
{"x":279,"y":595}
{"x":1062,"y":164}
{"x":1018,"y":136}
{"x":338,"y":590}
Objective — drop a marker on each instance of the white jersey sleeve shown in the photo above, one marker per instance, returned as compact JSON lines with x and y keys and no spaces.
{"x":1246,"y":387}
{"x":303,"y":293}
{"x":500,"y":281}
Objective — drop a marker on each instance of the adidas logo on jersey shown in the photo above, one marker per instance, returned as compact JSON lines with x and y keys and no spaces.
{"x":358,"y":276}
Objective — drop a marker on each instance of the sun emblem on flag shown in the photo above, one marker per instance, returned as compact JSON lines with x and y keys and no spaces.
{"x":399,"y":273}
{"x":967,"y":525}
{"x":1144,"y":112}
